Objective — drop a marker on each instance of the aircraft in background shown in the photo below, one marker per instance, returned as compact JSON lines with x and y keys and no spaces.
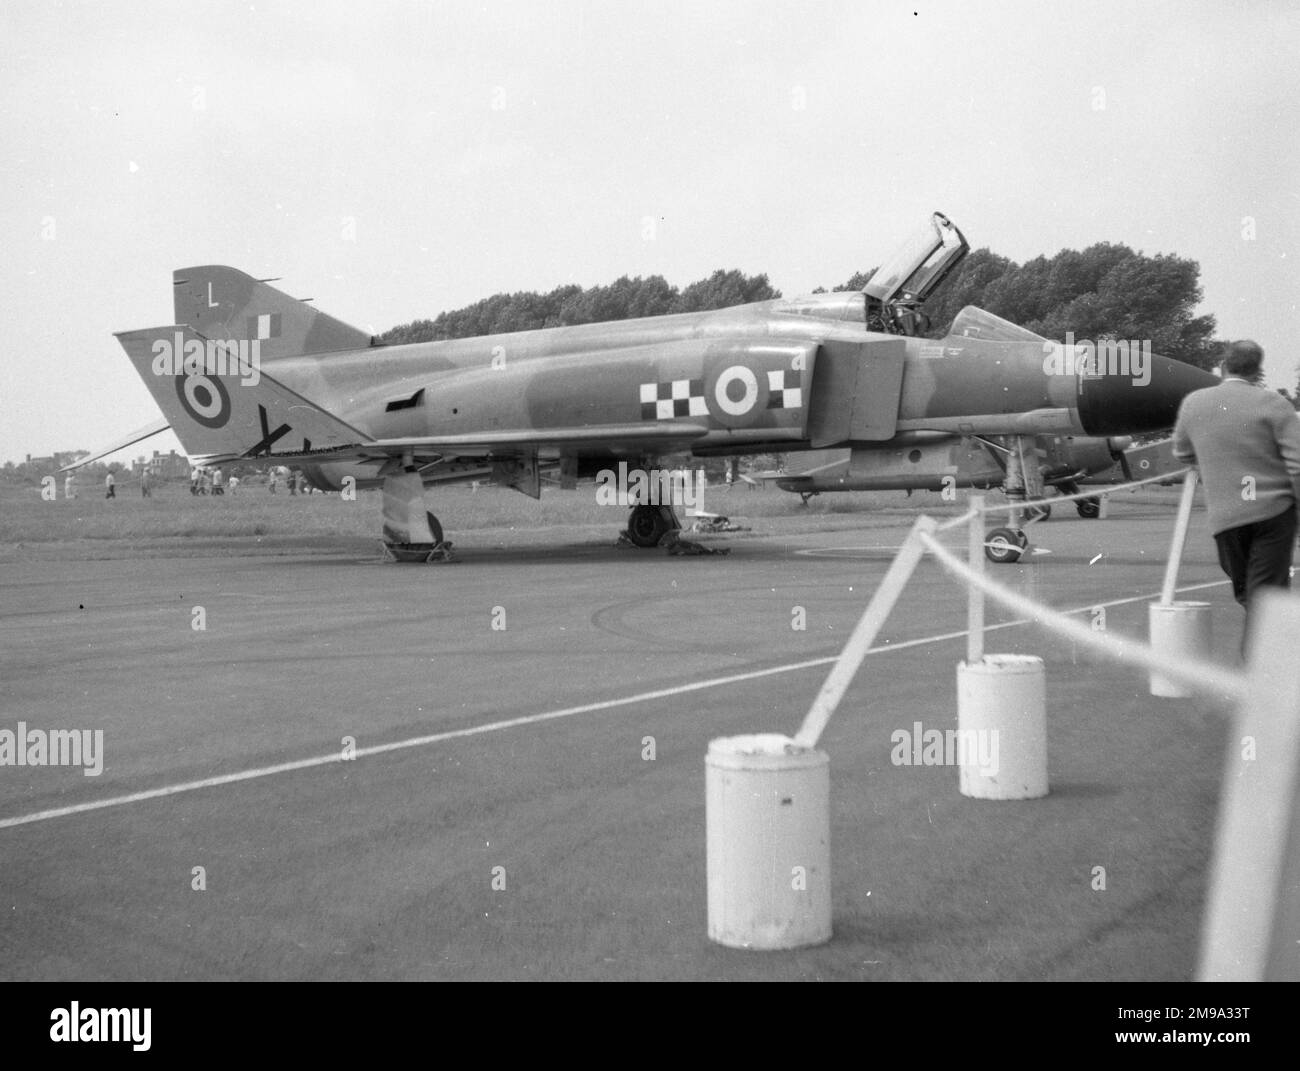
{"x":248,"y":374}
{"x":948,"y":462}
{"x":1141,"y":463}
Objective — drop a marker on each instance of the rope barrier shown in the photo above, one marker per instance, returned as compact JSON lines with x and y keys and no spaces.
{"x":1167,"y":477}
{"x":970,"y":514}
{"x":1216,"y":680}
{"x":864,"y":634}
{"x":1248,"y":927}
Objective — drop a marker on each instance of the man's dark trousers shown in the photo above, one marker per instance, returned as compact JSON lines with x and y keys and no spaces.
{"x":1258,"y":555}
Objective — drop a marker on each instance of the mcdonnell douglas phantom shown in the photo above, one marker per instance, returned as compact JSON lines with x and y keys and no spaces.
{"x":249,"y":374}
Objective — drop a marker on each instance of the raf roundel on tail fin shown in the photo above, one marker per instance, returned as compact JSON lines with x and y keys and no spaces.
{"x":221,"y":302}
{"x":221,"y":402}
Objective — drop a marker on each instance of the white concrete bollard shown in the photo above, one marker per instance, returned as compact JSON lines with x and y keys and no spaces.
{"x":1181,"y":631}
{"x":1002,"y":727}
{"x":767,"y":821}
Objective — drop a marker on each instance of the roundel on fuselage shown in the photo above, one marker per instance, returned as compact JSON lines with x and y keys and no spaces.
{"x":736,"y":395}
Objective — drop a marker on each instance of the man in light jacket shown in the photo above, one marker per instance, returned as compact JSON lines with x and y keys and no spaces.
{"x":1245,"y":440}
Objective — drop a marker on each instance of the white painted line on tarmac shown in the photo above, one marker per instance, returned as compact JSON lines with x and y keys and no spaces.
{"x":527,"y":719}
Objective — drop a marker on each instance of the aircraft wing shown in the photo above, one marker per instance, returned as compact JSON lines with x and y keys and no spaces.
{"x":497,"y":444}
{"x":139,"y":435}
{"x":483,"y":444}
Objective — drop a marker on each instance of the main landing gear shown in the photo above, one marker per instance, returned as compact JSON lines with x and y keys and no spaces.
{"x":411,"y":531}
{"x":649,"y":524}
{"x":435,"y":528}
{"x":658,"y":526}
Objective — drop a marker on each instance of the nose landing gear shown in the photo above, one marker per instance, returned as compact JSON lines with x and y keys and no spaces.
{"x":1005,"y":545}
{"x":1024,"y":482}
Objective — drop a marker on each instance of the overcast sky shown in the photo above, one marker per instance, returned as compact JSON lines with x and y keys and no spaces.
{"x":392,"y":160}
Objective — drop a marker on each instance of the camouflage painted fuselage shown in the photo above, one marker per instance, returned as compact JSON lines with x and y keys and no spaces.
{"x":783,"y":375}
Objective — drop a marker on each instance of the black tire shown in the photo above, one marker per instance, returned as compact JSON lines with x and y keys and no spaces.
{"x":434,"y":527}
{"x":1088,"y":508}
{"x":647,"y":525}
{"x":1004,"y":545}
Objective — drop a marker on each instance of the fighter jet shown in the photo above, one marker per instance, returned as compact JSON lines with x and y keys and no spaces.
{"x":248,"y":374}
{"x":943,"y":463}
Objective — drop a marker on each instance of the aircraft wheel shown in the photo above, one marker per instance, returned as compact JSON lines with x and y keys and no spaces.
{"x":1089,"y":508}
{"x":647,"y":525}
{"x":1005,"y":545}
{"x":434,"y":526}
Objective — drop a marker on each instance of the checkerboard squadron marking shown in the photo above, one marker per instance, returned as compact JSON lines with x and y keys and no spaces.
{"x":779,"y":396}
{"x":676,"y":398}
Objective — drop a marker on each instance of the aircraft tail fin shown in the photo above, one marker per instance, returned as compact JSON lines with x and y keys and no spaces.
{"x":220,"y":402}
{"x":224,"y":303}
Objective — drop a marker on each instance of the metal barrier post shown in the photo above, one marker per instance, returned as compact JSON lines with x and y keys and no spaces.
{"x":1180,"y":538}
{"x":975,"y":607}
{"x":1178,"y":630}
{"x":864,"y":635}
{"x":1249,"y":930}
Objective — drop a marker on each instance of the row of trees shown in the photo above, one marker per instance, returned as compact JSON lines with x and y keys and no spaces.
{"x":624,"y":299}
{"x":1105,"y":291}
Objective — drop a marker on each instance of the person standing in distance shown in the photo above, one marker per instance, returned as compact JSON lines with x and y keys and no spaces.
{"x":1245,"y":440}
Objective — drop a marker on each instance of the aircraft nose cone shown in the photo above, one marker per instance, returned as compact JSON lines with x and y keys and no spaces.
{"x":1128,"y":404}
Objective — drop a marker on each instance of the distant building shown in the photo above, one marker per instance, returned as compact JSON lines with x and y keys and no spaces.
{"x":168,"y":466}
